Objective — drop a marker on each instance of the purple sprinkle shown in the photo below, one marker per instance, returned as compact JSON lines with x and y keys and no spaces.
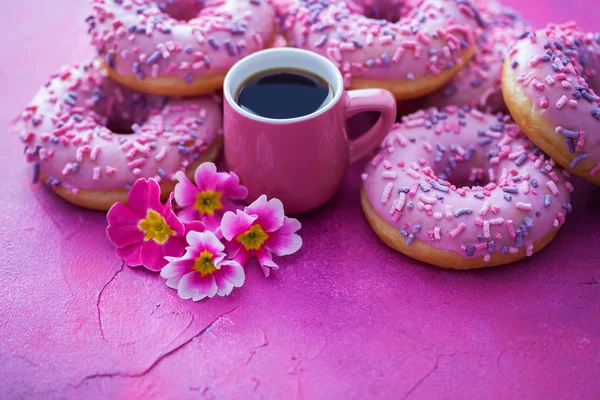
{"x":410,"y":239}
{"x":547,"y":201}
{"x":36,"y":172}
{"x":128,"y":186}
{"x":410,"y":76}
{"x":154,"y":57}
{"x":439,"y":186}
{"x":385,"y":59}
{"x":255,"y":2}
{"x":570,"y":134}
{"x":516,"y":178}
{"x":596,"y":113}
{"x":528,"y":222}
{"x":586,"y":95}
{"x":424,"y":187}
{"x":519,"y":237}
{"x":321,"y":42}
{"x":416,"y":228}
{"x":188,"y":78}
{"x":504,"y":249}
{"x":510,"y":189}
{"x":161,"y":172}
{"x":578,"y":159}
{"x":189,"y":49}
{"x":403,"y":232}
{"x":479,"y":196}
{"x":75,"y":167}
{"x":507,"y":197}
{"x":230,"y":49}
{"x":497,"y":128}
{"x":403,"y":190}
{"x":370,"y":63}
{"x":213,"y":43}
{"x":462,"y":211}
{"x":514,"y":64}
{"x":491,"y":246}
{"x":470,"y":250}
{"x":568,"y":207}
{"x":533,"y":182}
{"x":410,"y":205}
{"x":521,"y":159}
{"x":54,"y":140}
{"x":570,"y":145}
{"x":138,"y":71}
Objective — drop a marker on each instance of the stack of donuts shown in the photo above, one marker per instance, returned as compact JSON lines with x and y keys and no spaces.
{"x":148,"y":105}
{"x":479,"y":176}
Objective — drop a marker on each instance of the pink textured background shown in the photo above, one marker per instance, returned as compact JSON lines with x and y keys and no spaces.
{"x":344,"y":318}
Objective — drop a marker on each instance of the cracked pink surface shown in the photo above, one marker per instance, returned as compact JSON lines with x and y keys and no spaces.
{"x":343,"y":318}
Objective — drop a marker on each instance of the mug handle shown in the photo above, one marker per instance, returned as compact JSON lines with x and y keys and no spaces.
{"x":363,"y":100}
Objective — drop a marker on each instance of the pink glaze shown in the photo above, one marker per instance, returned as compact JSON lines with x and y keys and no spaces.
{"x":514,"y":196}
{"x":67,"y":135}
{"x":559,"y":70}
{"x":479,"y":83}
{"x":424,"y":42}
{"x":153,"y":39}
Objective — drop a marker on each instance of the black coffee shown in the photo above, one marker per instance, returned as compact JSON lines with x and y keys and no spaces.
{"x":284,"y":93}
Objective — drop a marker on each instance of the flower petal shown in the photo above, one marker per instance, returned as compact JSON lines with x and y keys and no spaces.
{"x":232,"y":272}
{"x":265,"y":260}
{"x":185,"y":191}
{"x":170,"y":217}
{"x":130,"y":254}
{"x":188,"y":214}
{"x":270,"y":213}
{"x":284,"y":240}
{"x":174,"y":246}
{"x":196,"y":226}
{"x":232,"y":188}
{"x":243,"y":255}
{"x":143,"y":195}
{"x":175,"y":270}
{"x":233,"y":225}
{"x":212,"y":221}
{"x":122,"y":227}
{"x":206,"y":176}
{"x":152,"y":255}
{"x":195,"y":287}
{"x":205,"y":241}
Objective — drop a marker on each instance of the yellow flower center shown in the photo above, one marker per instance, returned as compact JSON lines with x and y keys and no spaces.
{"x":204,"y":264}
{"x":208,"y":201}
{"x":253,"y":238}
{"x":155,"y":227}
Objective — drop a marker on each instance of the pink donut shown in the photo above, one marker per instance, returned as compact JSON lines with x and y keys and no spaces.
{"x":551,"y":81}
{"x":178,"y":47}
{"x":68,"y":134}
{"x":479,"y":83}
{"x":424,"y":49}
{"x":461,"y":189}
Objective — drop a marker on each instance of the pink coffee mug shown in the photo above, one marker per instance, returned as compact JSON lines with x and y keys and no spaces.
{"x":301,"y":161}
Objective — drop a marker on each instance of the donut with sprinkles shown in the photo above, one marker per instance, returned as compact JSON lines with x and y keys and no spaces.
{"x":461,"y":189}
{"x":413,"y":56}
{"x":479,"y":83}
{"x":178,"y":47}
{"x":550,"y":82}
{"x":89,"y":139}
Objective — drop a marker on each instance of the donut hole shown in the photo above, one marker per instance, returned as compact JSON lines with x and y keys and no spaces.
{"x":181,"y":10}
{"x":120,"y":125}
{"x":465,"y":174}
{"x":390,"y":12}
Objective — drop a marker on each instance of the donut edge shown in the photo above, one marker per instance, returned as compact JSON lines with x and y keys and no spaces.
{"x":539,"y":129}
{"x":102,"y":200}
{"x":423,"y":252}
{"x":412,"y":89}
